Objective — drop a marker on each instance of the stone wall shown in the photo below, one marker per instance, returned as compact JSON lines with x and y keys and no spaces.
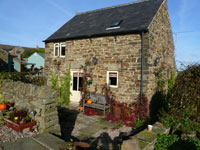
{"x":145,"y":140}
{"x":3,"y":61}
{"x":161,"y":44}
{"x":31,"y":97}
{"x":114,"y":53}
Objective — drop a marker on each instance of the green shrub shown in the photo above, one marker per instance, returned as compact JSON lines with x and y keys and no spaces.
{"x":26,"y":54}
{"x":65,"y":87}
{"x":184,"y":102}
{"x":164,"y":141}
{"x":139,"y":123}
{"x":171,"y":83}
{"x":23,"y":77}
{"x":169,"y":121}
{"x":62,"y":87}
{"x":195,"y":141}
{"x":54,"y":81}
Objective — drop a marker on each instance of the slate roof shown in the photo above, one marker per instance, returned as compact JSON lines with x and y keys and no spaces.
{"x":135,"y":16}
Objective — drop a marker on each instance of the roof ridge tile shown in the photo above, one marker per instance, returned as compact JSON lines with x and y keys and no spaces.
{"x":111,"y":7}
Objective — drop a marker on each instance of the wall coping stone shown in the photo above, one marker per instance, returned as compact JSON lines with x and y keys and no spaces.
{"x":145,"y":140}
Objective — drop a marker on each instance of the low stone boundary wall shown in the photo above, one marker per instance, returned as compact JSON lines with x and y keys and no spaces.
{"x":32,"y":97}
{"x":145,"y":140}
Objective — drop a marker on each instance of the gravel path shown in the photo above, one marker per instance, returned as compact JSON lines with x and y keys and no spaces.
{"x":8,"y":135}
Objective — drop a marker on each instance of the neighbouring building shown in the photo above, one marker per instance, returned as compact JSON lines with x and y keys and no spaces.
{"x":36,"y":58}
{"x":125,"y":43}
{"x":10,"y":58}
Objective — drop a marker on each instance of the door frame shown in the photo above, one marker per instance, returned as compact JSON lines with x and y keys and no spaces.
{"x":75,"y":98}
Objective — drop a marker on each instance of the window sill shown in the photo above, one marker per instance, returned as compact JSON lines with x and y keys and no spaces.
{"x":113,"y":86}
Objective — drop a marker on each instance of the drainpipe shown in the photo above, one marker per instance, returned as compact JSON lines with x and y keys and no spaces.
{"x":142,"y":63}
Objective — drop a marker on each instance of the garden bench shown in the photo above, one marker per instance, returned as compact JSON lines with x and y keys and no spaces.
{"x":98,"y":102}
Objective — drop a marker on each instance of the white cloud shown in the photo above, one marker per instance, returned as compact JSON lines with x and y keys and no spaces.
{"x":58,"y":7}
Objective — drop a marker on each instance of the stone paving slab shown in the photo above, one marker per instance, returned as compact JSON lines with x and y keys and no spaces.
{"x":83,"y":136}
{"x":49,"y":140}
{"x":23,"y":144}
{"x":40,"y":142}
{"x":90,"y":130}
{"x":107,"y":124}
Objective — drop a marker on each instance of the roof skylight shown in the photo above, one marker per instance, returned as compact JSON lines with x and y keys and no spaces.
{"x":115,"y":23}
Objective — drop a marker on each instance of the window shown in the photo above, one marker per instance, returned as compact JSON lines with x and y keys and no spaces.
{"x":77,"y":81}
{"x":18,"y":52}
{"x":112,"y":78}
{"x":56,"y":50}
{"x":116,"y":23}
{"x":62,"y":50}
{"x":59,"y":50}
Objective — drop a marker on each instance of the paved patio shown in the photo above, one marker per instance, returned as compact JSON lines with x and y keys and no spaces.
{"x":77,"y":126}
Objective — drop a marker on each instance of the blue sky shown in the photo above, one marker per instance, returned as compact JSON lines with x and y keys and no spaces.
{"x":29,"y":22}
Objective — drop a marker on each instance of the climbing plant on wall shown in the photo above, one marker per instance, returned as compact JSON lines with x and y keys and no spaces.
{"x":65,"y":87}
{"x":62,"y":87}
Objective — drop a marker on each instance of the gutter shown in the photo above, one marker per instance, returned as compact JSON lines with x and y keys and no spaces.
{"x":142,"y":64}
{"x":95,"y":35}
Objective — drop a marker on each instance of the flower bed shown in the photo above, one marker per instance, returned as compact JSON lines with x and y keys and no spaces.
{"x":20,"y":127}
{"x":18,"y":120}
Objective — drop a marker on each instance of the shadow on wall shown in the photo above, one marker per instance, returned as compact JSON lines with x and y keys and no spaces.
{"x":158,"y":103}
{"x":3,"y":66}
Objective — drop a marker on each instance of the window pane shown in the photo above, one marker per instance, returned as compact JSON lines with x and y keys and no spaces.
{"x":80,"y":83}
{"x":75,"y":82}
{"x":56,"y":49}
{"x":112,"y":74}
{"x":63,"y":50}
{"x":113,"y":81}
{"x":75,"y":74}
{"x":18,"y":52}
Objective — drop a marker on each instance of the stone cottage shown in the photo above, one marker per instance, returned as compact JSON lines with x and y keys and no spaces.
{"x":125,"y":43}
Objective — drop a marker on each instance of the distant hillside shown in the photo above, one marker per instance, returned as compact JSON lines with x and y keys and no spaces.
{"x":26,"y":54}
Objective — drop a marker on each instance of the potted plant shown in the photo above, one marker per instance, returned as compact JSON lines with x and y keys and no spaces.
{"x":3,"y":103}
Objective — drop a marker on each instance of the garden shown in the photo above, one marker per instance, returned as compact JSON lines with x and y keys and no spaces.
{"x":16,"y":122}
{"x":180,"y":111}
{"x":177,"y":106}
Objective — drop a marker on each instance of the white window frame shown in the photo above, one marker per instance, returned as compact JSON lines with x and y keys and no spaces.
{"x":107,"y":79}
{"x":55,"y":49}
{"x":62,"y":44}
